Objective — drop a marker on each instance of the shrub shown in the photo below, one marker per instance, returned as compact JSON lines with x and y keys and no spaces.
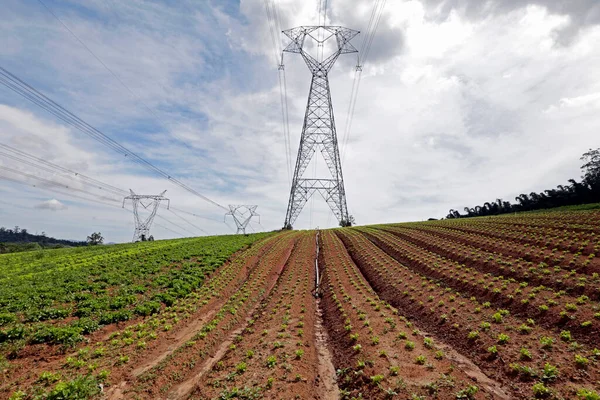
{"x":497,"y":318}
{"x":241,"y":367}
{"x":570,"y":307}
{"x":7,"y":318}
{"x":540,"y":390}
{"x":588,"y":394}
{"x":48,"y":377}
{"x":87,"y":325}
{"x":503,"y":338}
{"x":420,"y":360}
{"x":147,"y":308}
{"x":546,"y":342}
{"x":525,"y":329}
{"x":428,"y":342}
{"x":550,"y":372}
{"x":565,"y":336}
{"x":12,"y":334}
{"x":376,"y":379}
{"x":79,"y":388}
{"x":408,"y":345}
{"x":581,"y":361}
{"x":271,"y":361}
{"x":467,"y":393}
{"x":56,"y":335}
{"x":525,"y":354}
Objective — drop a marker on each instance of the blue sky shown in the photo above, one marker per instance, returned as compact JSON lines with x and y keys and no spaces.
{"x":458,"y":105}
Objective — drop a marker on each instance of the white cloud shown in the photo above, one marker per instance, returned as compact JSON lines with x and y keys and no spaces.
{"x":52,"y":205}
{"x":450,"y":111}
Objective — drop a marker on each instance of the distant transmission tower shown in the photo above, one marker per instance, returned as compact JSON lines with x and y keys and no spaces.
{"x":148,"y":202}
{"x":243,"y":217}
{"x":318,"y":131}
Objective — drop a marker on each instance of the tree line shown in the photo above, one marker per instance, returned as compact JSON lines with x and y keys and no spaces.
{"x":575,"y":193}
{"x":19,"y":239}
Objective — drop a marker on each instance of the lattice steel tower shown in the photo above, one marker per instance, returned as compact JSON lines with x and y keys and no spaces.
{"x":318,"y":131}
{"x":142,"y":226}
{"x":242,"y":214}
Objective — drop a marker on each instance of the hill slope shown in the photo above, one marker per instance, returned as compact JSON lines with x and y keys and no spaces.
{"x":493,"y":307}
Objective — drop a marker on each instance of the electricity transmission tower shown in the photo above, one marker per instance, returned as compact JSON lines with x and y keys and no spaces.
{"x":243,"y":217}
{"x":148,"y":202}
{"x":318,"y":131}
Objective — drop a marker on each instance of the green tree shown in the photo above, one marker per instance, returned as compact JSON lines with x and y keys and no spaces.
{"x":95,"y":238}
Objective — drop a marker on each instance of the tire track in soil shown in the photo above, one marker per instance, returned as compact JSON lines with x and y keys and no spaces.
{"x":469,"y":368}
{"x":183,"y":390}
{"x":183,"y":335}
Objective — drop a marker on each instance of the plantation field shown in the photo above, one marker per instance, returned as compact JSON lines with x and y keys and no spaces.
{"x":503,"y":307}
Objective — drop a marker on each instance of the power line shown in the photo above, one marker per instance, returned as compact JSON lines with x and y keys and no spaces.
{"x":136,"y":96}
{"x":27,"y":183}
{"x":46,"y":181}
{"x":274,"y":30}
{"x":70,"y":174}
{"x":195,"y":215}
{"x":61,"y":185}
{"x":20,"y":87}
{"x":230,"y":227}
{"x":374,"y":20}
{"x":30,"y":160}
{"x":53,"y":168}
{"x":372,"y":36}
{"x":196,"y":227}
{"x":178,"y":226}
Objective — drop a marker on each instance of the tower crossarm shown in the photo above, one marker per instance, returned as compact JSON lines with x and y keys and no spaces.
{"x":242,"y":214}
{"x":298,"y":37}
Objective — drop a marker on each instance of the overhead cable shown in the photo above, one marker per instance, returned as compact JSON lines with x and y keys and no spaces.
{"x":20,"y":87}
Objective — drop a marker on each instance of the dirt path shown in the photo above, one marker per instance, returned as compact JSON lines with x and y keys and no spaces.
{"x":330,"y":389}
{"x":185,"y":389}
{"x":179,"y":340}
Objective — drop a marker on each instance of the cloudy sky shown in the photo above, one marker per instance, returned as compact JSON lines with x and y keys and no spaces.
{"x":460,"y":102}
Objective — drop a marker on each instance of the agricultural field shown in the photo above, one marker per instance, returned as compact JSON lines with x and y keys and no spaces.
{"x":504,"y":307}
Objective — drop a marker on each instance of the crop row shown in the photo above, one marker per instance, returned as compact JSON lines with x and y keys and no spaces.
{"x":584,"y":221}
{"x":169,"y":374}
{"x":139,"y":339}
{"x":524,"y":253}
{"x":509,"y":349}
{"x":497,"y":264}
{"x":377,"y":352}
{"x":275,"y":354}
{"x":107,"y":288}
{"x":561,"y":239}
{"x":556,"y":310}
